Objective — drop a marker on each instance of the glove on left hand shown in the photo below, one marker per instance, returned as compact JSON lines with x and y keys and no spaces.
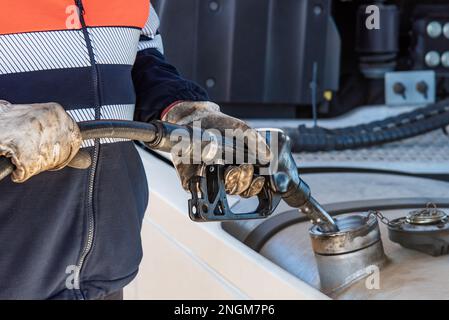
{"x":37,"y":138}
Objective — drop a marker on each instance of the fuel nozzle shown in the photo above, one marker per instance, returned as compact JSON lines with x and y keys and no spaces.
{"x":319,"y":216}
{"x":285,"y":180}
{"x":299,"y":196}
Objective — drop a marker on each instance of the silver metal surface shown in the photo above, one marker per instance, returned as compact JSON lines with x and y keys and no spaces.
{"x":338,"y":272}
{"x":429,"y":215}
{"x":355,"y":232}
{"x":408,"y":275}
{"x":319,"y":217}
{"x":345,"y":256}
{"x":428,"y":153}
{"x":362,"y":187}
{"x":285,"y":181}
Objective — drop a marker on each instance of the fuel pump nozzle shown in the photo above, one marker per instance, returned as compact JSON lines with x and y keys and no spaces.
{"x":285,"y":180}
{"x":209,"y":202}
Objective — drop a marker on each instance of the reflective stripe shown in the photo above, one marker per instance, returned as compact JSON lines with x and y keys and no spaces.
{"x":150,"y":33}
{"x":114,"y":112}
{"x":36,"y":51}
{"x":155,"y":43}
{"x":90,"y":143}
{"x":152,"y":25}
{"x":26,"y":52}
{"x":114,"y":45}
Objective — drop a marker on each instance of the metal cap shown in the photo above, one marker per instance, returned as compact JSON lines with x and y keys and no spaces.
{"x":430,"y":215}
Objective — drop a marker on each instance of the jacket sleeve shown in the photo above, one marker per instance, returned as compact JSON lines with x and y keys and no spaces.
{"x":157,"y":83}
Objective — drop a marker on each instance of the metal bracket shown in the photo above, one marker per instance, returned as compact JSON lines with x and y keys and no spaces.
{"x":410,"y":88}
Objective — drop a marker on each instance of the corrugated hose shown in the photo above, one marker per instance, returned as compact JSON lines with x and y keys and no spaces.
{"x":403,"y":126}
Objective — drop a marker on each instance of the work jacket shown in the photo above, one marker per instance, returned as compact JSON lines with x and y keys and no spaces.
{"x":75,"y":234}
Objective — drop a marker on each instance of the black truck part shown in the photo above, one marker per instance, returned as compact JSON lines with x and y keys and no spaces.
{"x":253,"y":51}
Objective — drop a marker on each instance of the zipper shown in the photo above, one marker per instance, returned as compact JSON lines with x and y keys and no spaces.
{"x":90,"y":197}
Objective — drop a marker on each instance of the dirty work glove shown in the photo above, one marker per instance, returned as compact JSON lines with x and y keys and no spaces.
{"x":239,"y":180}
{"x":37,"y":137}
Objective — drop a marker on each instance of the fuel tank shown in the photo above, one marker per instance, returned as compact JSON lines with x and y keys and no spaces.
{"x":380,"y":267}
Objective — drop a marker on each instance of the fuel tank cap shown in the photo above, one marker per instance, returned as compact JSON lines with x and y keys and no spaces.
{"x":430,"y":215}
{"x":425,"y":230}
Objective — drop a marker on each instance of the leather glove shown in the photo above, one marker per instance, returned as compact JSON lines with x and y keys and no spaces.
{"x":37,"y":137}
{"x":239,"y":180}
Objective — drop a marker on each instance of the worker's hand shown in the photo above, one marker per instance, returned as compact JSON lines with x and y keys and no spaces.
{"x":37,"y":137}
{"x":239,"y":179}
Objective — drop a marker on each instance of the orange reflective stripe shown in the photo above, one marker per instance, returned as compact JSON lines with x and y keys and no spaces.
{"x":17,"y":16}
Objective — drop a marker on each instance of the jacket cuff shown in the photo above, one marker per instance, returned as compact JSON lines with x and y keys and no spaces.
{"x":166,"y":110}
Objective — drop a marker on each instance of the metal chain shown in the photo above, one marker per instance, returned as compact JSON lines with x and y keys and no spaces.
{"x":382,"y":218}
{"x":387,"y":222}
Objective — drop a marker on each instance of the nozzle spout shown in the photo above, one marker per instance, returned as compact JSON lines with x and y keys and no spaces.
{"x":319,"y":216}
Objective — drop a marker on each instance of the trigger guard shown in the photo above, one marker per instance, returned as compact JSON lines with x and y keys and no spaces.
{"x":209,"y":201}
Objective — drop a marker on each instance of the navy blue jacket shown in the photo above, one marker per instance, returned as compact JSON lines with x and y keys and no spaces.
{"x":75,"y":234}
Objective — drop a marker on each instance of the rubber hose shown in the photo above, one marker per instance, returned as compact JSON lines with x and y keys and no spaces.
{"x":403,"y":126}
{"x":119,"y":129}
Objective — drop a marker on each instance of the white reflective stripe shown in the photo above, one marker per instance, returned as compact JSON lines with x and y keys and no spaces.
{"x":90,"y":143}
{"x":156,"y":43}
{"x":120,"y":112}
{"x":152,"y":25}
{"x":37,"y":51}
{"x":150,"y":31}
{"x":82,"y":114}
{"x":111,"y":112}
{"x":114,"y":45}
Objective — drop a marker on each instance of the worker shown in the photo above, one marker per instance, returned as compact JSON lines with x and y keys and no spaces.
{"x":66,"y":232}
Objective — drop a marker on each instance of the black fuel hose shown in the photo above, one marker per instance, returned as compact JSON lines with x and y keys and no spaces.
{"x":403,"y":126}
{"x":119,"y":129}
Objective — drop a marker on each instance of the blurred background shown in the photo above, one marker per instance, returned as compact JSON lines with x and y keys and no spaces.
{"x":258,"y":57}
